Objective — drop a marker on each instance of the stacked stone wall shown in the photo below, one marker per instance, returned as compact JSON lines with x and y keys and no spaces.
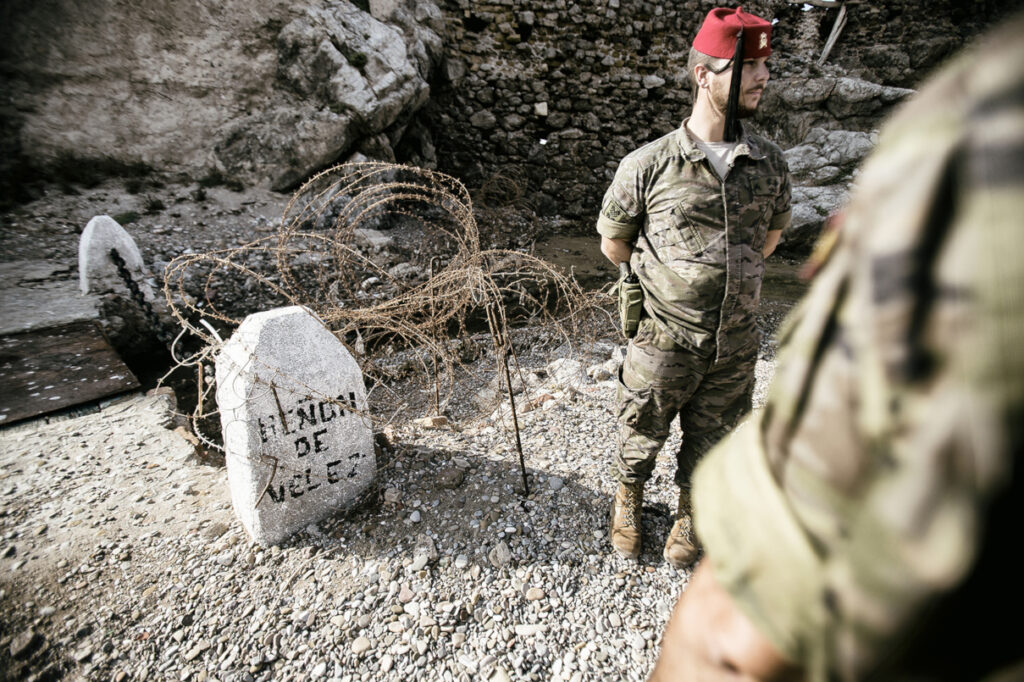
{"x":551,"y":94}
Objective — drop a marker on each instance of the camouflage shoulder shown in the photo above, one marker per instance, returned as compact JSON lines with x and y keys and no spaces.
{"x":771,"y":150}
{"x":649,"y":154}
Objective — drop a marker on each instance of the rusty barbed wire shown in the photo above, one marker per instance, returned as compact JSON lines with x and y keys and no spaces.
{"x":389,"y":258}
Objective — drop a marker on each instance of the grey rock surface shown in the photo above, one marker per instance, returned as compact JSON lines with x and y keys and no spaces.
{"x":828,"y":156}
{"x":811,"y":207}
{"x":263,"y":91}
{"x":857,"y":97}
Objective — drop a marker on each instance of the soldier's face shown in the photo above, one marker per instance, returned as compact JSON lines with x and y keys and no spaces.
{"x":752,"y":84}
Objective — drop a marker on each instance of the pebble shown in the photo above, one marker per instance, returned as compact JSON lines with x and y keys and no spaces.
{"x":468,"y":662}
{"x":361,"y":645}
{"x":425,"y":546}
{"x":530,"y":629}
{"x":214,"y":530}
{"x":196,"y":650}
{"x":23,"y":643}
{"x":451,"y":477}
{"x":434,"y":422}
{"x":359,"y":596}
{"x":500,"y":555}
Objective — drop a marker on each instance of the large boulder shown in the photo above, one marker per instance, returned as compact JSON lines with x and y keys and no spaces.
{"x":828,"y":156}
{"x":811,"y":208}
{"x":264,"y":91}
{"x":843,"y":96}
{"x":856,"y":97}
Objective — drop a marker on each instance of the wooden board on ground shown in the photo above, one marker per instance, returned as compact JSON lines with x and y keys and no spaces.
{"x":49,"y":369}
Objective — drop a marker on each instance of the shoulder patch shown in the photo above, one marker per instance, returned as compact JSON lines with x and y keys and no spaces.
{"x":613,"y":211}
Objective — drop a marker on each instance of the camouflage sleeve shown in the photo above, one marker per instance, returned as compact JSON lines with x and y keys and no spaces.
{"x":621,"y":210}
{"x":783,"y":213}
{"x":856,"y":506}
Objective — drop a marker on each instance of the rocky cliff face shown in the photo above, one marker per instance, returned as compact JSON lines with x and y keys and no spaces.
{"x":546,"y":94}
{"x":263,"y":91}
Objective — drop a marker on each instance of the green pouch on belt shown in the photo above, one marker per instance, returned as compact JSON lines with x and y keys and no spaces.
{"x":631,"y":300}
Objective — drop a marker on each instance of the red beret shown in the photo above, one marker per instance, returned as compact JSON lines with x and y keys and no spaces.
{"x":717,"y":35}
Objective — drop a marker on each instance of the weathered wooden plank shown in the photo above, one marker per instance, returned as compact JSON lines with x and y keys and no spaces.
{"x":39,"y":294}
{"x":50,"y":369}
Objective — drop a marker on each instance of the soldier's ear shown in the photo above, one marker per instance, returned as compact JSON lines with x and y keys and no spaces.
{"x":701,"y":75}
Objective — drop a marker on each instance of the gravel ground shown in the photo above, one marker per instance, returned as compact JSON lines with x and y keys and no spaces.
{"x":121,"y":557}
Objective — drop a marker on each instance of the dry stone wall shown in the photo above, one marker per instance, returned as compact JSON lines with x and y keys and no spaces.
{"x":897,"y":42}
{"x":553,"y":93}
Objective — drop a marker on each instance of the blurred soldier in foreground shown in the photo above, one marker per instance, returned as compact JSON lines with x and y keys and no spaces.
{"x":865,"y":523}
{"x":694,"y":213}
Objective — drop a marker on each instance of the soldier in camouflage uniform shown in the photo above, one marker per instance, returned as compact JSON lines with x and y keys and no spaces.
{"x":695,"y":217}
{"x":865,"y":523}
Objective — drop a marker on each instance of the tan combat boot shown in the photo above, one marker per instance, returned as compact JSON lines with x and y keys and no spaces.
{"x":682,"y":546}
{"x":624,"y":526}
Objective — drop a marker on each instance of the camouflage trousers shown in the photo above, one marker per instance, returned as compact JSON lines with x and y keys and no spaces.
{"x":660,"y":380}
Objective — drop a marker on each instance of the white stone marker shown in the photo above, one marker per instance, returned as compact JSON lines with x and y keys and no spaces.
{"x":296,"y":450}
{"x":96,"y":270}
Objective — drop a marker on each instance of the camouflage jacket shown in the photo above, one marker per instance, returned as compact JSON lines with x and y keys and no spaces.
{"x":697,"y":240}
{"x":867,"y":518}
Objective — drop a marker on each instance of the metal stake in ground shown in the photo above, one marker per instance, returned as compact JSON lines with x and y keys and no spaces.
{"x":500,"y":348}
{"x":433,"y":331}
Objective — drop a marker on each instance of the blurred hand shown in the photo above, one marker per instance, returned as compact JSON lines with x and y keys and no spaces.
{"x":709,"y":638}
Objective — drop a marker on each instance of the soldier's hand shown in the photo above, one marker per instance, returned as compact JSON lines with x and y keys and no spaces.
{"x":709,"y":638}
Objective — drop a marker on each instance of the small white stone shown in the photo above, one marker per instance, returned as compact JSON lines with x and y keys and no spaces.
{"x":530,"y":629}
{"x":361,"y":645}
